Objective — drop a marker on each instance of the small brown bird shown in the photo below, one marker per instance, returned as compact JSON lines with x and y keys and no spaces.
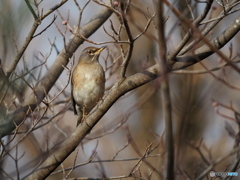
{"x":88,"y":82}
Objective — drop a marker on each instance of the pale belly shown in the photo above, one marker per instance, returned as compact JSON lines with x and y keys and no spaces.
{"x":87,"y":94}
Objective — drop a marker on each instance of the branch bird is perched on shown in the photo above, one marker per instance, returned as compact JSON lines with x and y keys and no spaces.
{"x":88,"y":82}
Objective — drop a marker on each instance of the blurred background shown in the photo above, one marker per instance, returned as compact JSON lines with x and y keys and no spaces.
{"x":205,"y":109}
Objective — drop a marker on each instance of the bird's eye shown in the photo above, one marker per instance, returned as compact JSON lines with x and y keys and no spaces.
{"x":90,"y":52}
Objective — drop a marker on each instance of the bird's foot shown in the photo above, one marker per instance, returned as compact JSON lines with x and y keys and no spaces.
{"x":84,"y":120}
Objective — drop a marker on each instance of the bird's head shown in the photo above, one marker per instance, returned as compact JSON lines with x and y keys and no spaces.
{"x":91,"y":54}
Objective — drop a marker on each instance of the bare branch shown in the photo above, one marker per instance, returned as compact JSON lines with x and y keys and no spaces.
{"x":46,"y":83}
{"x":165,"y":91}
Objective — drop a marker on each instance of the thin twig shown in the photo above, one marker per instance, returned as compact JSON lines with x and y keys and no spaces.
{"x":130,"y":46}
{"x":54,"y":18}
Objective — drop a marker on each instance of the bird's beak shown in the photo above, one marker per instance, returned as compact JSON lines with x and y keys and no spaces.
{"x":101,"y":49}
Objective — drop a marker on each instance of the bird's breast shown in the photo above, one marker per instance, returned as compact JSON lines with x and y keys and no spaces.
{"x":88,"y":85}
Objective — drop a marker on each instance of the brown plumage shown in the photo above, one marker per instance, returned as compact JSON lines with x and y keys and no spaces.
{"x":88,"y":82}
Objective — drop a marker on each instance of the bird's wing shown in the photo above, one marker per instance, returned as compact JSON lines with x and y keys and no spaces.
{"x":73,"y":101}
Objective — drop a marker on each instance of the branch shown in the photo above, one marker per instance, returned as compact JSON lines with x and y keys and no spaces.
{"x":29,"y":38}
{"x":189,"y":34}
{"x":8,"y":124}
{"x":128,"y":84}
{"x":205,"y":51}
{"x":165,"y":91}
{"x":207,"y":29}
{"x":217,"y":162}
{"x":23,"y":48}
{"x":31,"y":9}
{"x":130,"y":47}
{"x":54,"y":18}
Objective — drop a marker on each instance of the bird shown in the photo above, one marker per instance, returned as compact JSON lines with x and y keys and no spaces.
{"x":87,"y":83}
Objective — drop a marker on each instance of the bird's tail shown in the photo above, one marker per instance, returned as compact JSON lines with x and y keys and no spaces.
{"x":79,"y":120}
